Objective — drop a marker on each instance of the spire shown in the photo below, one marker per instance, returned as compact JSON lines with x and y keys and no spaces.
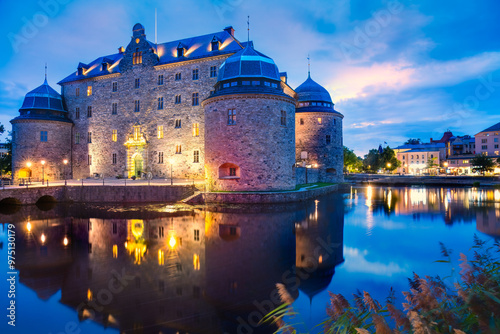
{"x":308,"y":66}
{"x":248,"y":28}
{"x":45,"y":82}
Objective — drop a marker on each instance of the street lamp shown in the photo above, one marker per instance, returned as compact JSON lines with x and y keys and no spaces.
{"x":43,"y":172}
{"x":65,"y":162}
{"x":28,"y":164}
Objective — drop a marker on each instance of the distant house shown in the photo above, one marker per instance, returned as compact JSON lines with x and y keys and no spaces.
{"x":488,"y":141}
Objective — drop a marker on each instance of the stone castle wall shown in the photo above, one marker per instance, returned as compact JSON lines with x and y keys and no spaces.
{"x":149,"y":118}
{"x":262,"y":150}
{"x":311,"y":138}
{"x":27,"y":147}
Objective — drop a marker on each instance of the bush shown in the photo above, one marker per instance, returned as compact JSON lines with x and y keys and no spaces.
{"x":470,"y":305}
{"x":476,"y":184}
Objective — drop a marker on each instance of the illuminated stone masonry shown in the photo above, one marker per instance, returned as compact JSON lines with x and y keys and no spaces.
{"x":203,"y":107}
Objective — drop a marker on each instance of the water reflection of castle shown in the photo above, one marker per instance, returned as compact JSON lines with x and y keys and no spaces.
{"x":208,"y":271}
{"x":451,"y":204}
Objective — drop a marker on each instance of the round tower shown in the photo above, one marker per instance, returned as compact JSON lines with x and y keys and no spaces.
{"x":249,"y":127}
{"x":41,"y":137}
{"x":318,"y":132}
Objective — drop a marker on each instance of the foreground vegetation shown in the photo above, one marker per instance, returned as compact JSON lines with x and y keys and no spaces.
{"x":471,"y":304}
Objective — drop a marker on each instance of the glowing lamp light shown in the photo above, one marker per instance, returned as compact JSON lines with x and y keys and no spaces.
{"x":172,"y":242}
{"x":65,"y":161}
{"x":28,"y":164}
{"x":43,"y":162}
{"x":28,"y":227}
{"x":65,"y":241}
{"x":42,"y":238}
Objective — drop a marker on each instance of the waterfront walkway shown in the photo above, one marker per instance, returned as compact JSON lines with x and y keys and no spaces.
{"x":409,"y":180}
{"x":108,"y":182}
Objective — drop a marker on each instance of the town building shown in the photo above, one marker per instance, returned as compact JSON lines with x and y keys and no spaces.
{"x":461,"y":149}
{"x":203,"y":107}
{"x":488,"y":141}
{"x":417,"y":159}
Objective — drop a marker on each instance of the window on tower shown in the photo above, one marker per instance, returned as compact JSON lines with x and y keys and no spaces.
{"x":231,"y":117}
{"x":114,"y":108}
{"x":196,"y":129}
{"x":196,"y":157}
{"x":114,"y":163}
{"x":137,"y":106}
{"x":177,"y":99}
{"x":160,"y":131}
{"x":160,"y":80}
{"x":283,"y":117}
{"x":114,"y":135}
{"x":178,"y":123}
{"x":43,"y":136}
{"x":195,"y":74}
{"x":77,"y":113}
{"x":160,"y":103}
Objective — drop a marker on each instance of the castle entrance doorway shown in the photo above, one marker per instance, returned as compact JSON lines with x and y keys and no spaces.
{"x":138,"y":165}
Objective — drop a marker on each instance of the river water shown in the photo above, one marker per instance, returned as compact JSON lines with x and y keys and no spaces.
{"x":171,"y":268}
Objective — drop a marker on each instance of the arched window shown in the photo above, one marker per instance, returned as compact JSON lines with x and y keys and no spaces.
{"x":229,"y":171}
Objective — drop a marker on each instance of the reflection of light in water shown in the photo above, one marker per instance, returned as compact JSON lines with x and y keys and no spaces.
{"x":418,"y":196}
{"x":115,"y":251}
{"x":65,"y":241}
{"x":196,"y":262}
{"x":316,"y":209}
{"x":320,"y":259}
{"x":369,"y":195}
{"x":406,"y":197}
{"x":43,"y":238}
{"x":89,"y":295}
{"x":172,"y":242}
{"x":389,"y":199}
{"x":161,"y":257}
{"x":497,"y":195}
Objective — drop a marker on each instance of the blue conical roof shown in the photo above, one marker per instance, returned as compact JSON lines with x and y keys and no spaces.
{"x":43,"y":97}
{"x":310,"y":90}
{"x":248,"y":63}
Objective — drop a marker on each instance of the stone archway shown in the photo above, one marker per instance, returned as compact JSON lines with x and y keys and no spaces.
{"x":138,"y":164}
{"x":24,"y":173}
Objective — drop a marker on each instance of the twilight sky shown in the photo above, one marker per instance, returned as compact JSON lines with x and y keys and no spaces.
{"x":395,"y":69}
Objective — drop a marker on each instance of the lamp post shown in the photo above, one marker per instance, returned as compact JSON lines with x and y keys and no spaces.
{"x":43,"y":172}
{"x":28,"y":164}
{"x":65,"y":162}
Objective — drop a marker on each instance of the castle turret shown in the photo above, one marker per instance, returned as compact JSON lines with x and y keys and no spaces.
{"x":319,"y":132}
{"x":249,"y":126}
{"x":41,"y":136}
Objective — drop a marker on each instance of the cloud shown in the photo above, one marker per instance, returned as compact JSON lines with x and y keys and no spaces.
{"x":357,"y":262}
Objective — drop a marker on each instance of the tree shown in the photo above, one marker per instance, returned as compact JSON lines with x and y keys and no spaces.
{"x":372,"y":161}
{"x":6,"y":160}
{"x":482,"y":163}
{"x":431,"y":163}
{"x":352,"y":162}
{"x":413,"y":141}
{"x":389,"y":160}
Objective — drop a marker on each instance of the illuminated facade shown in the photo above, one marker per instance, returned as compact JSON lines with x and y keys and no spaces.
{"x":203,"y":107}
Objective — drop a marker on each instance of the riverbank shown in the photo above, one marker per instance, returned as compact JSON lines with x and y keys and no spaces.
{"x":154,"y":193}
{"x":407,"y":180}
{"x":302,"y":194}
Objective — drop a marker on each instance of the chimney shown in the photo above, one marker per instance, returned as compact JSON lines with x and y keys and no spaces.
{"x":121,"y":49}
{"x":230,"y":30}
{"x":431,"y":140}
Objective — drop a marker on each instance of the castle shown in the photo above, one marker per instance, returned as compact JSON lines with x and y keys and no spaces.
{"x":203,"y":107}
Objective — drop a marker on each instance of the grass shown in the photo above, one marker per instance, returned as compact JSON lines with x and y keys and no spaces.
{"x":297,"y":188}
{"x":470,"y":305}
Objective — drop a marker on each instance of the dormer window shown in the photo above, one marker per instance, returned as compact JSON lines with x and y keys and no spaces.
{"x":80,"y":70}
{"x":180,"y":50}
{"x":215,"y":44}
{"x":104,"y":67}
{"x":137,"y":57}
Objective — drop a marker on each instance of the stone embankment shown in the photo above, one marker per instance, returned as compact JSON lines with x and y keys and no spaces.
{"x":406,"y":180}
